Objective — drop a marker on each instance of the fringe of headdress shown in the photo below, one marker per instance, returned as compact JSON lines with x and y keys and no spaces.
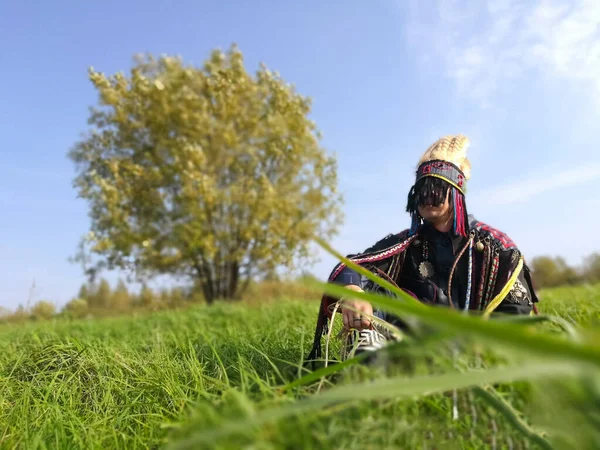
{"x":414,"y":224}
{"x":460,"y":213}
{"x":412,"y":209}
{"x":419,"y":192}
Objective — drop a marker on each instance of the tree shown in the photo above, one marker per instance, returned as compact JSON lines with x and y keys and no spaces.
{"x":77,"y":308}
{"x":164,"y":298}
{"x":176,"y":298}
{"x":43,"y":310}
{"x":147,"y":298}
{"x":84,"y":292}
{"x":99,"y":298}
{"x":119,"y":299}
{"x":591,"y":268}
{"x":20,"y":314}
{"x":209,"y":173}
{"x":551,"y":272}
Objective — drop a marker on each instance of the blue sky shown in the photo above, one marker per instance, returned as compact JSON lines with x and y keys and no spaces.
{"x":520,"y":78}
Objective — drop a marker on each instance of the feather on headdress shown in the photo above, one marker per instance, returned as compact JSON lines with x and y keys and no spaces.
{"x":452,"y":149}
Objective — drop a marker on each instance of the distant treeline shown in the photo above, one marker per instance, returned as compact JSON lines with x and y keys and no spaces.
{"x":550,"y":271}
{"x":102,"y":300}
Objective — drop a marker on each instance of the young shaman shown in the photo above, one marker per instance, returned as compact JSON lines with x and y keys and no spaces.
{"x":446,"y":258}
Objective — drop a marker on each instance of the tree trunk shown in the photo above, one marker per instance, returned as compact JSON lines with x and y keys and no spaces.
{"x":219,"y":281}
{"x":204,"y":277}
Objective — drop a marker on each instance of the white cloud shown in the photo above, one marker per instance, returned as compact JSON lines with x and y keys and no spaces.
{"x":484,"y":46}
{"x":523,"y":190}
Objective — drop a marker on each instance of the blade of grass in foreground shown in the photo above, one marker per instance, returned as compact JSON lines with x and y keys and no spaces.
{"x":323,"y":371}
{"x":567,"y":327}
{"x":375,"y":390}
{"x":496,"y":332}
{"x":489,"y":395}
{"x":512,"y":335}
{"x":425,"y":342}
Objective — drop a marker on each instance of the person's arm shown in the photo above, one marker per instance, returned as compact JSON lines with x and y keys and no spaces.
{"x":354,"y":312}
{"x":348,"y":277}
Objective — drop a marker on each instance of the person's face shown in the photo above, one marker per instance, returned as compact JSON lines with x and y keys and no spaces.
{"x":433,"y":213}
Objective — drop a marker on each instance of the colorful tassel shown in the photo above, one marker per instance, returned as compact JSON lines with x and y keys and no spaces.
{"x":469,"y":275}
{"x":485,"y":264}
{"x":455,"y":205}
{"x":414,"y":224}
{"x":460,"y":226}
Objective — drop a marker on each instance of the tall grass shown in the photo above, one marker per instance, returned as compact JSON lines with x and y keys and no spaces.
{"x":232,"y":376}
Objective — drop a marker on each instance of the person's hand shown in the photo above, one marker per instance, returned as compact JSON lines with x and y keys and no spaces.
{"x":355,"y":313}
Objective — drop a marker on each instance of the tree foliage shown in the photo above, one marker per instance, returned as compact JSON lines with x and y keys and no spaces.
{"x":553,"y":271}
{"x":99,"y":295}
{"x":43,"y":310}
{"x":591,"y":271}
{"x":119,"y":299}
{"x":76,"y":308}
{"x":208,"y":172}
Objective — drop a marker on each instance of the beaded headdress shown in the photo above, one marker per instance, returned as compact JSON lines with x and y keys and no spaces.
{"x":444,"y":166}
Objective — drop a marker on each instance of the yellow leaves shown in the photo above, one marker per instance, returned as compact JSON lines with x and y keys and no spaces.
{"x":110,"y":97}
{"x":102,"y":245}
{"x":121,"y":83}
{"x":193,"y":155}
{"x":114,"y":165}
{"x":205,"y":161}
{"x":98,"y":79}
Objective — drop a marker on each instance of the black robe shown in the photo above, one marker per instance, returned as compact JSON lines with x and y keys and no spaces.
{"x":500,"y":280}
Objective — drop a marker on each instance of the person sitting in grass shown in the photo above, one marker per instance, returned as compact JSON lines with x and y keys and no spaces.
{"x":446,"y":258}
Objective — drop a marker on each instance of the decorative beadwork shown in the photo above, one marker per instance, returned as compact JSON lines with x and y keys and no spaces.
{"x":485,"y":266}
{"x":469,"y":275}
{"x":505,"y":242}
{"x":426,"y":267}
{"x":456,"y":260}
{"x":492,"y":279}
{"x":400,"y":265}
{"x":392,"y":265}
{"x":445,"y":170}
{"x":395,"y":266}
{"x":393,"y":250}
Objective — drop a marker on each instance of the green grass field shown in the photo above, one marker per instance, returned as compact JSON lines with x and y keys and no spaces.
{"x":214,"y":377}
